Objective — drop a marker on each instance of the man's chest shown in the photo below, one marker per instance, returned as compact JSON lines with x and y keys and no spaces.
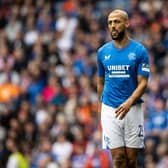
{"x":120,"y":64}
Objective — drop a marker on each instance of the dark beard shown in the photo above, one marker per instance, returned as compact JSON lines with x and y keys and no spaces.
{"x":119,"y":37}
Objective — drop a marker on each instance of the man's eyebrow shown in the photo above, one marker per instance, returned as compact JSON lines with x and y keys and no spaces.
{"x":115,"y":19}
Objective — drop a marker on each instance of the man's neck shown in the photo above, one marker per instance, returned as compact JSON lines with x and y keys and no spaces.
{"x":122,"y":43}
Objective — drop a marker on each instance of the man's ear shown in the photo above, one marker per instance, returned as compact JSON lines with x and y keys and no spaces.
{"x":127,"y":24}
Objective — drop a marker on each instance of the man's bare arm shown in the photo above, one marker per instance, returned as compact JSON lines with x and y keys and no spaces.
{"x":100,"y":86}
{"x":122,"y":110}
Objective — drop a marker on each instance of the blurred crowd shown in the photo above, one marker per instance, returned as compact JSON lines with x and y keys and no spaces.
{"x":48,"y":73}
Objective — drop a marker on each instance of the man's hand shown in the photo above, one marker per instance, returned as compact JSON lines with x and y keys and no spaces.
{"x":123,"y":109}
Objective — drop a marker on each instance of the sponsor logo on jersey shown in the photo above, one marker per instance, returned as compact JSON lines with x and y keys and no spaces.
{"x":118,"y":71}
{"x":118,"y":67}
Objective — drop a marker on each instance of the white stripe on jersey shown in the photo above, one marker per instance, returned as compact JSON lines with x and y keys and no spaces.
{"x":118,"y":72}
{"x":146,"y":69}
{"x":119,"y":76}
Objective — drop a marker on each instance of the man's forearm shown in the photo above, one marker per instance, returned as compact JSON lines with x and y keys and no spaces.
{"x":100,"y":85}
{"x":123,"y":109}
{"x":139,"y":91}
{"x":99,"y":93}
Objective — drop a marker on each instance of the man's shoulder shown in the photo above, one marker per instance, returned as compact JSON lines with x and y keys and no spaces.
{"x":138,"y":44}
{"x":104,"y":46}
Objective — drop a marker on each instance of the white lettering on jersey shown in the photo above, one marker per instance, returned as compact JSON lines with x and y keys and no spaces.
{"x":118,"y":67}
{"x":119,"y":76}
{"x":118,"y":71}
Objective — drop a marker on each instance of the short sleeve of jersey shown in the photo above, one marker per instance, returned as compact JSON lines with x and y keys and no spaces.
{"x":143,"y":63}
{"x":100,"y":65}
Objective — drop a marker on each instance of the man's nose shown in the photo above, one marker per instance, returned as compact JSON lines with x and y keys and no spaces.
{"x":112,"y":25}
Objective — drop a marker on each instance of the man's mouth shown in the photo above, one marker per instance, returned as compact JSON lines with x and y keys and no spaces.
{"x":114,"y":32}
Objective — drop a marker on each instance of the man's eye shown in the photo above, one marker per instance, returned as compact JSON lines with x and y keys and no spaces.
{"x":116,"y":21}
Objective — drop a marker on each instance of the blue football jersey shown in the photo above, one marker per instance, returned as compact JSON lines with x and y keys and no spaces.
{"x":120,"y":68}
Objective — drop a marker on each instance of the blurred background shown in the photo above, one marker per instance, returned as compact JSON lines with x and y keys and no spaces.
{"x":48,"y":73}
